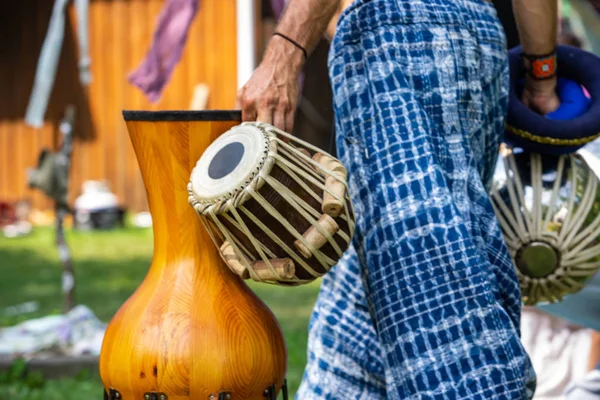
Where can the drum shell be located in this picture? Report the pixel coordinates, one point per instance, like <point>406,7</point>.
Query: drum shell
<point>192,329</point>
<point>290,215</point>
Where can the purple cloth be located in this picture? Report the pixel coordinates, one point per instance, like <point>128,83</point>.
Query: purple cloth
<point>277,7</point>
<point>169,40</point>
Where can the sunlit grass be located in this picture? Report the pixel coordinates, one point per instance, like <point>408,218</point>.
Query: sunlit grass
<point>109,266</point>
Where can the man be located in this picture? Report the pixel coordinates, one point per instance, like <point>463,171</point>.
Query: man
<point>426,303</point>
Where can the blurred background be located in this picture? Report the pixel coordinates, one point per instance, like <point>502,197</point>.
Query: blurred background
<point>76,237</point>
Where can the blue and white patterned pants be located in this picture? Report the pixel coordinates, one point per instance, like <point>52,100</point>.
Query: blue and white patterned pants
<point>426,304</point>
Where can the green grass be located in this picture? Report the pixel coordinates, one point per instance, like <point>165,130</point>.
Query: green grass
<point>109,266</point>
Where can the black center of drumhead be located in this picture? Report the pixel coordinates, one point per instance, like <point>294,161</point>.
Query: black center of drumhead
<point>226,160</point>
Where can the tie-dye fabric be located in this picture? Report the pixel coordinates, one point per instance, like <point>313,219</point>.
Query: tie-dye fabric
<point>426,305</point>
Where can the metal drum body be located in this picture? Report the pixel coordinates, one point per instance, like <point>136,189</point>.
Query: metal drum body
<point>549,211</point>
<point>192,330</point>
<point>547,197</point>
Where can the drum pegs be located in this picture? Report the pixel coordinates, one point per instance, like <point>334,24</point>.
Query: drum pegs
<point>315,238</point>
<point>331,164</point>
<point>284,267</point>
<point>303,151</point>
<point>335,187</point>
<point>232,260</point>
<point>334,190</point>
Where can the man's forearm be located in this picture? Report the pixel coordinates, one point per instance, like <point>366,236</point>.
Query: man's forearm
<point>271,93</point>
<point>305,21</point>
<point>537,22</point>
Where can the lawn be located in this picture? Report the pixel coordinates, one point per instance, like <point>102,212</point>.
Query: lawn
<point>109,266</point>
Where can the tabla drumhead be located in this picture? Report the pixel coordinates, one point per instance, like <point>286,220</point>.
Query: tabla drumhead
<point>229,164</point>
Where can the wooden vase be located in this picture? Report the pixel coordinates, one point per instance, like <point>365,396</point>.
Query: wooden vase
<point>192,329</point>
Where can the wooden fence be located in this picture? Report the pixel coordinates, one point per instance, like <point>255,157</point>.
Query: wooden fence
<point>120,34</point>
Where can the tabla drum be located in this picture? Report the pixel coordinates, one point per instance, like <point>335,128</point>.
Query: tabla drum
<point>277,207</point>
<point>548,207</point>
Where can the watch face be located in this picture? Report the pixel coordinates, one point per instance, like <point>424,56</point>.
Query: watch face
<point>544,67</point>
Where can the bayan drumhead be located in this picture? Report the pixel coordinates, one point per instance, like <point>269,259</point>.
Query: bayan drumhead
<point>229,164</point>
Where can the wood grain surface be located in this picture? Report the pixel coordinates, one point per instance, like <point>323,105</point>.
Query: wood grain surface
<point>192,328</point>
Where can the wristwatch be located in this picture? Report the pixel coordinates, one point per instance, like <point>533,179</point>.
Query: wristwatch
<point>541,67</point>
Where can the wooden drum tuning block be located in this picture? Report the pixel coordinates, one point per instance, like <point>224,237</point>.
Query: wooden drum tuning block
<point>335,189</point>
<point>314,237</point>
<point>232,260</point>
<point>331,164</point>
<point>303,151</point>
<point>284,269</point>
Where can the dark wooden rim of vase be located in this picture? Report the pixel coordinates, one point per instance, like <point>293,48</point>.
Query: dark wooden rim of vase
<point>182,115</point>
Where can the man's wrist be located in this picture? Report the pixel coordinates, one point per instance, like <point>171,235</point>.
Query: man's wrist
<point>541,66</point>
<point>282,51</point>
<point>541,88</point>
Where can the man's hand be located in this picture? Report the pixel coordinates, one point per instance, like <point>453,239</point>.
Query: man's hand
<point>540,96</point>
<point>271,94</point>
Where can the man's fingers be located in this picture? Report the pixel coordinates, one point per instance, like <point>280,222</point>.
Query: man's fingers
<point>265,115</point>
<point>279,119</point>
<point>239,98</point>
<point>289,121</point>
<point>249,114</point>
<point>248,106</point>
<point>266,107</point>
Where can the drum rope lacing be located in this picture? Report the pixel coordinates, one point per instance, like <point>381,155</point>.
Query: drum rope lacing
<point>301,169</point>
<point>522,226</point>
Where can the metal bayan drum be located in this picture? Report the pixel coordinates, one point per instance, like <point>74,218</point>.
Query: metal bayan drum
<point>548,202</point>
<point>278,213</point>
<point>548,207</point>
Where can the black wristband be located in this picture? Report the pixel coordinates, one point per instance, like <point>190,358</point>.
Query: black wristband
<point>292,42</point>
